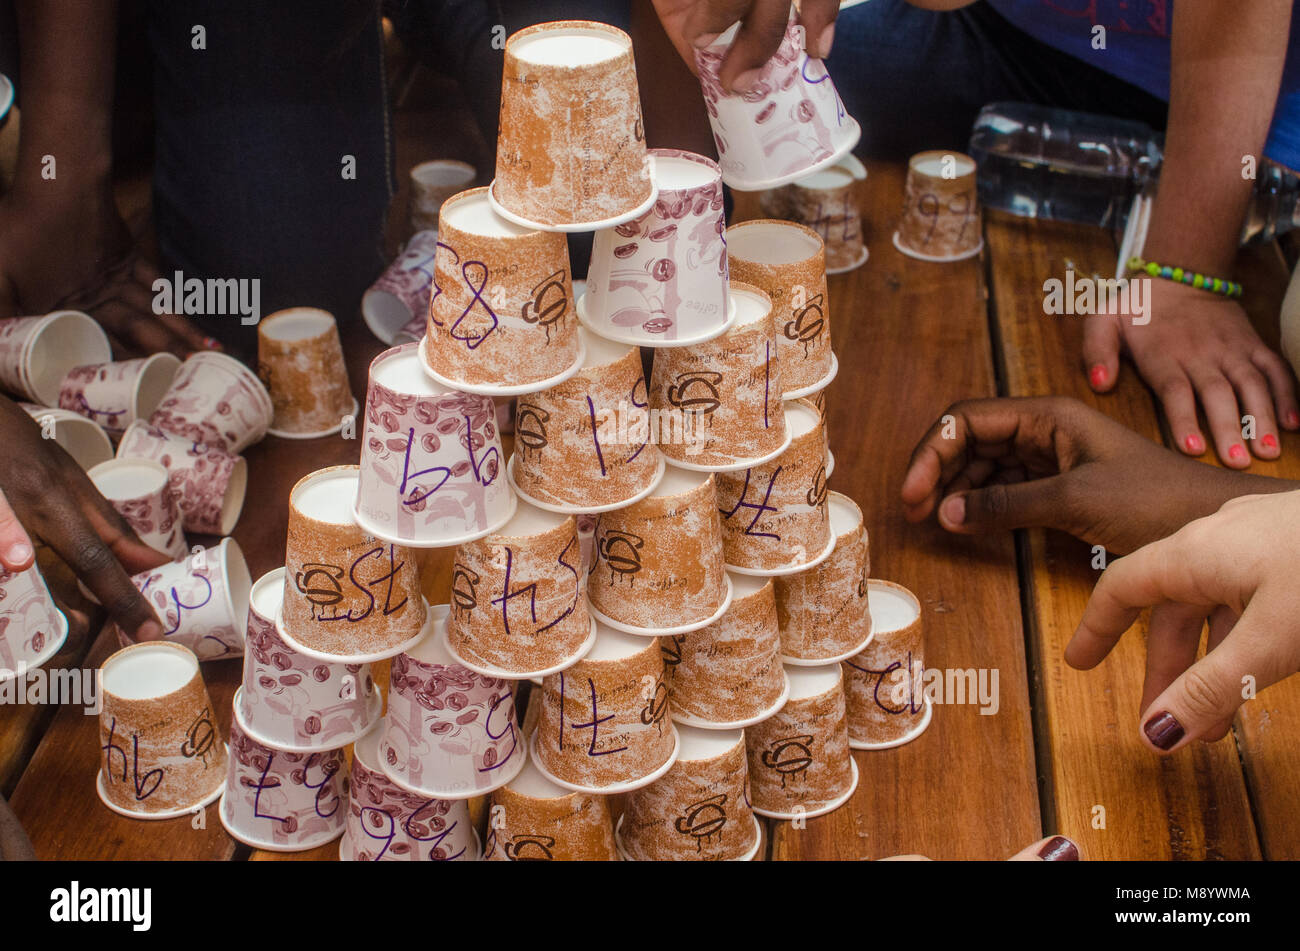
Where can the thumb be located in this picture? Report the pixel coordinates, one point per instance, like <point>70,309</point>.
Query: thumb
<point>1101,352</point>
<point>1003,506</point>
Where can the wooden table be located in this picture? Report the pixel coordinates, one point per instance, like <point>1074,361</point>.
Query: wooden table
<point>1061,753</point>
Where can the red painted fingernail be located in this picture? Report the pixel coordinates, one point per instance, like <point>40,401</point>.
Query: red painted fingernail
<point>1194,444</point>
<point>1293,420</point>
<point>1098,375</point>
<point>1269,441</point>
<point>1059,849</point>
<point>1163,730</point>
<point>1237,453</point>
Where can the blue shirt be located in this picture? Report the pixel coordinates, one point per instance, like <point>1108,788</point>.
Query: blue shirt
<point>1137,51</point>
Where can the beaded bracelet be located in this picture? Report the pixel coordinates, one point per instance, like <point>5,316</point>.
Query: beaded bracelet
<point>1215,285</point>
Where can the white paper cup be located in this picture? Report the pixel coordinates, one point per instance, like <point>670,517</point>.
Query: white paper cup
<point>202,601</point>
<point>398,303</point>
<point>32,629</point>
<point>85,441</point>
<point>300,359</point>
<point>884,684</point>
<point>209,482</point>
<point>115,395</point>
<point>36,353</point>
<point>140,491</point>
<point>217,401</point>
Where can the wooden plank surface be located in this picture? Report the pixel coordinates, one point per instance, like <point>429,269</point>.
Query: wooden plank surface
<point>911,338</point>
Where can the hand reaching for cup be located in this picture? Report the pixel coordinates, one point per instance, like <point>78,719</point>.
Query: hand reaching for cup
<point>1055,848</point>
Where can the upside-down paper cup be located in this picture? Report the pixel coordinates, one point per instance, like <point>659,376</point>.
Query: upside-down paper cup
<point>432,183</point>
<point>941,215</point>
<point>887,706</point>
<point>659,563</point>
<point>661,280</point>
<point>209,483</point>
<point>431,464</point>
<point>824,612</point>
<point>36,353</point>
<point>790,124</point>
<point>787,262</point>
<point>32,629</point>
<point>387,823</point>
<point>585,445</point>
<point>115,395</point>
<point>569,159</point>
<point>697,811</point>
<point>517,605</point>
<point>774,516</point>
<point>161,754</point>
<point>300,359</point>
<point>531,819</point>
<point>729,674</point>
<point>217,401</point>
<point>799,760</point>
<point>604,724</point>
<point>282,801</point>
<point>723,396</point>
<point>348,598</point>
<point>140,491</point>
<point>450,733</point>
<point>827,202</point>
<point>399,299</point>
<point>502,320</point>
<point>289,701</point>
<point>83,439</point>
<point>202,601</point>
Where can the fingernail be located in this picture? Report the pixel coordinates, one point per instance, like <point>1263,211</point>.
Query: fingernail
<point>954,510</point>
<point>1269,441</point>
<point>705,39</point>
<point>746,80</point>
<point>1195,444</point>
<point>1293,420</point>
<point>149,631</point>
<point>1059,849</point>
<point>1237,453</point>
<point>824,41</point>
<point>1164,731</point>
<point>19,553</point>
<point>212,343</point>
<point>1098,375</point>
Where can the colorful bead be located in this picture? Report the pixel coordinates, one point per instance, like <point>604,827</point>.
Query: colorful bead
<point>1198,281</point>
<point>1215,285</point>
<point>1153,269</point>
<point>1178,274</point>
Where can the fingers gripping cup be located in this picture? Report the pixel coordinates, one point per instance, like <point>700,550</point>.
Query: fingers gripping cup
<point>217,401</point>
<point>659,564</point>
<point>723,396</point>
<point>661,280</point>
<point>501,318</point>
<point>799,760</point>
<point>209,483</point>
<point>115,395</point>
<point>32,629</point>
<point>400,298</point>
<point>300,359</point>
<point>202,601</point>
<point>140,491</point>
<point>36,353</point>
<point>531,819</point>
<point>604,723</point>
<point>941,216</point>
<point>824,612</point>
<point>791,123</point>
<point>699,810</point>
<point>161,754</point>
<point>787,262</point>
<point>433,183</point>
<point>827,202</point>
<point>571,152</point>
<point>887,706</point>
<point>431,461</point>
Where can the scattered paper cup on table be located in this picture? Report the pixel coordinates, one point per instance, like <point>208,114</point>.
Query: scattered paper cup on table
<point>774,516</point>
<point>824,612</point>
<point>82,439</point>
<point>697,811</point>
<point>887,706</point>
<point>531,819</point>
<point>827,202</point>
<point>217,401</point>
<point>348,598</point>
<point>517,604</point>
<point>787,262</point>
<point>502,321</point>
<point>659,563</point>
<point>431,461</point>
<point>723,398</point>
<point>799,760</point>
<point>289,701</point>
<point>386,823</point>
<point>432,183</point>
<point>604,724</point>
<point>32,628</point>
<point>36,353</point>
<point>209,482</point>
<point>300,359</point>
<point>202,601</point>
<point>790,124</point>
<point>585,445</point>
<point>161,754</point>
<point>569,160</point>
<point>450,733</point>
<point>661,280</point>
<point>282,801</point>
<point>141,492</point>
<point>941,215</point>
<point>115,395</point>
<point>398,303</point>
<point>729,675</point>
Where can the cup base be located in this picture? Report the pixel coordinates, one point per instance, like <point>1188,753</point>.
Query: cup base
<point>741,185</point>
<point>650,340</point>
<point>372,658</point>
<point>733,466</point>
<point>817,387</point>
<point>285,434</point>
<point>346,856</point>
<point>264,846</point>
<point>614,788</point>
<point>203,803</point>
<point>498,781</point>
<point>578,226</point>
<point>374,714</point>
<point>906,738</point>
<point>564,508</point>
<point>666,631</point>
<point>443,633</point>
<point>747,857</point>
<point>861,260</point>
<point>686,719</point>
<point>820,810</point>
<point>785,569</point>
<point>56,645</point>
<point>500,389</point>
<point>937,258</point>
<point>398,540</point>
<point>826,661</point>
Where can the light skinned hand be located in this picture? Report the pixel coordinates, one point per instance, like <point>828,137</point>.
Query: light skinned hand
<point>1055,848</point>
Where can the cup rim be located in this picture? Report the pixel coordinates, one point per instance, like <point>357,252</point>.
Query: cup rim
<point>779,224</point>
<point>152,646</point>
<point>92,336</point>
<point>109,465</point>
<point>558,26</point>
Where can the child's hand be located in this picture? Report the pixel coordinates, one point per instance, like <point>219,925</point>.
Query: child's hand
<point>1235,568</point>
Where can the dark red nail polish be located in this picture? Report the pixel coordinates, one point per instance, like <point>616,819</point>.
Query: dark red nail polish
<point>1098,375</point>
<point>1269,441</point>
<point>1164,731</point>
<point>1059,849</point>
<point>1194,444</point>
<point>1237,453</point>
